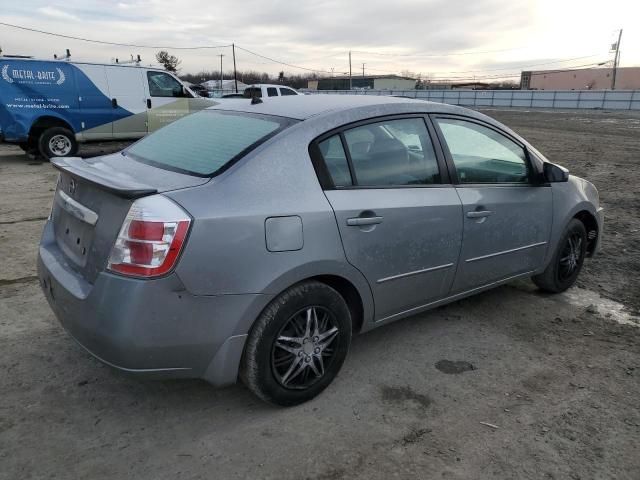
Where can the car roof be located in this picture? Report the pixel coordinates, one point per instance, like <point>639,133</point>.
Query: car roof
<point>302,107</point>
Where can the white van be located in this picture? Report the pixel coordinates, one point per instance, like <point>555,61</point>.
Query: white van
<point>51,106</point>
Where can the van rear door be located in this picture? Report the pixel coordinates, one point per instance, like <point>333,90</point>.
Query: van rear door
<point>127,92</point>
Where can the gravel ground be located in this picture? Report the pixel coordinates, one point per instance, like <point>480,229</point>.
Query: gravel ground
<point>509,384</point>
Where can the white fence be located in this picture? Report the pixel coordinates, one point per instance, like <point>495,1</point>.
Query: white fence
<point>603,99</point>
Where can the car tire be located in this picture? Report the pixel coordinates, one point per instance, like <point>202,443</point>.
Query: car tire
<point>304,332</point>
<point>57,142</point>
<point>564,268</point>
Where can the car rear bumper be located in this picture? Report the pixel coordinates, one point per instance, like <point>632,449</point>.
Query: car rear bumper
<point>148,327</point>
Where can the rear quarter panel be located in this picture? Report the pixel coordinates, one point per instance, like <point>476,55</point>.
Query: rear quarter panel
<point>227,251</point>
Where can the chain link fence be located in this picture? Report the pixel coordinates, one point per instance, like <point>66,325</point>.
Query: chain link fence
<point>587,99</point>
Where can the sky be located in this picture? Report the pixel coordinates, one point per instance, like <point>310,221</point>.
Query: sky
<point>480,39</point>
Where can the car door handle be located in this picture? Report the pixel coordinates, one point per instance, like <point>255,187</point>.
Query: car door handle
<point>148,103</point>
<point>479,214</point>
<point>360,221</point>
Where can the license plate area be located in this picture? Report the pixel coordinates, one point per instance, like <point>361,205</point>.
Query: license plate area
<point>74,237</point>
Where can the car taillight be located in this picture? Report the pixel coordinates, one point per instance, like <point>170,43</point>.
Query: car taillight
<point>150,239</point>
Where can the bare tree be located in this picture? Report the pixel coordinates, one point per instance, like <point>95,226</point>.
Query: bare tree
<point>169,62</point>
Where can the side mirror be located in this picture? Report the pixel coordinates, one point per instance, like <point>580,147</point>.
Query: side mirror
<point>555,173</point>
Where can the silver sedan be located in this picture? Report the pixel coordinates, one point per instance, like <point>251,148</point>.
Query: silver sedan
<point>252,240</point>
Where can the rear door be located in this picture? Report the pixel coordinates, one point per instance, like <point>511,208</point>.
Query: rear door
<point>399,219</point>
<point>127,93</point>
<point>507,213</point>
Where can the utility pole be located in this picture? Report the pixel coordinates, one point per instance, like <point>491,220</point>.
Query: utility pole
<point>221,55</point>
<point>363,70</point>
<point>235,73</point>
<point>350,83</point>
<point>616,60</point>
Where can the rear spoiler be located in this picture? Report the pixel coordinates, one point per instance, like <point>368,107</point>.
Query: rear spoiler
<point>111,181</point>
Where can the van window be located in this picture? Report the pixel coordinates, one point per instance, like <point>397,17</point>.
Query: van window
<point>164,85</point>
<point>287,91</point>
<point>205,142</point>
<point>272,91</point>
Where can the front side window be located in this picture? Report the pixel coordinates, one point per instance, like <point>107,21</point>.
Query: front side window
<point>272,91</point>
<point>482,155</point>
<point>393,152</point>
<point>164,85</point>
<point>205,142</point>
<point>287,91</point>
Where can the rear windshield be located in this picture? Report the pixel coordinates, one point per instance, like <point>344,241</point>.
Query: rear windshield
<point>206,142</point>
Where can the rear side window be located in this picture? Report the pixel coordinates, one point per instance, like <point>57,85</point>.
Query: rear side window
<point>251,92</point>
<point>272,92</point>
<point>287,91</point>
<point>205,142</point>
<point>336,161</point>
<point>394,152</point>
<point>482,155</point>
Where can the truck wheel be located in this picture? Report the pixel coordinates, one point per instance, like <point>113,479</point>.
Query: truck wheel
<point>57,142</point>
<point>298,344</point>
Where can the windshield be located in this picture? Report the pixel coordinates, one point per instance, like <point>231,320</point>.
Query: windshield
<point>206,142</point>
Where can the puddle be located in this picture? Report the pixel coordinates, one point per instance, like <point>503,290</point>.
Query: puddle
<point>451,367</point>
<point>608,308</point>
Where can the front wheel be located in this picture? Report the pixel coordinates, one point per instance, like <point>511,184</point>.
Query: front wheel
<point>297,345</point>
<point>57,142</point>
<point>567,261</point>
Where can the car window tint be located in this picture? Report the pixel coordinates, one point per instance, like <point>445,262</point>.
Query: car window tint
<point>163,85</point>
<point>482,155</point>
<point>287,91</point>
<point>272,92</point>
<point>336,161</point>
<point>204,142</point>
<point>394,152</point>
<point>251,92</point>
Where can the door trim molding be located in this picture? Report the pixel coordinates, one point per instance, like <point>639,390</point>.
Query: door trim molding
<point>415,272</point>
<point>504,252</point>
<point>452,298</point>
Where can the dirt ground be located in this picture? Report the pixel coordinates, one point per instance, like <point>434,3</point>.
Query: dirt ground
<point>510,384</point>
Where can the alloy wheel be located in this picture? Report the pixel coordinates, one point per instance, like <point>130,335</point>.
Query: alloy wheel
<point>571,256</point>
<point>304,347</point>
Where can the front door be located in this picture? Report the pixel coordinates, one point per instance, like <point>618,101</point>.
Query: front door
<point>507,216</point>
<point>400,224</point>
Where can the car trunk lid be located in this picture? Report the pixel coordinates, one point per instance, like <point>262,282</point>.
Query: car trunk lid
<point>92,199</point>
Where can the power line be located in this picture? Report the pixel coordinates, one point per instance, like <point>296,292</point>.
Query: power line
<point>82,39</point>
<point>280,62</point>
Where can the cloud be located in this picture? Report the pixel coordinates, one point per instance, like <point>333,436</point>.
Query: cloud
<point>57,13</point>
<point>319,34</point>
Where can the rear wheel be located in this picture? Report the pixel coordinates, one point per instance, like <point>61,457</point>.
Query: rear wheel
<point>567,261</point>
<point>297,345</point>
<point>57,142</point>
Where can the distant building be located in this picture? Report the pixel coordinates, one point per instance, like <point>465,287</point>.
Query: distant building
<point>373,82</point>
<point>627,78</point>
